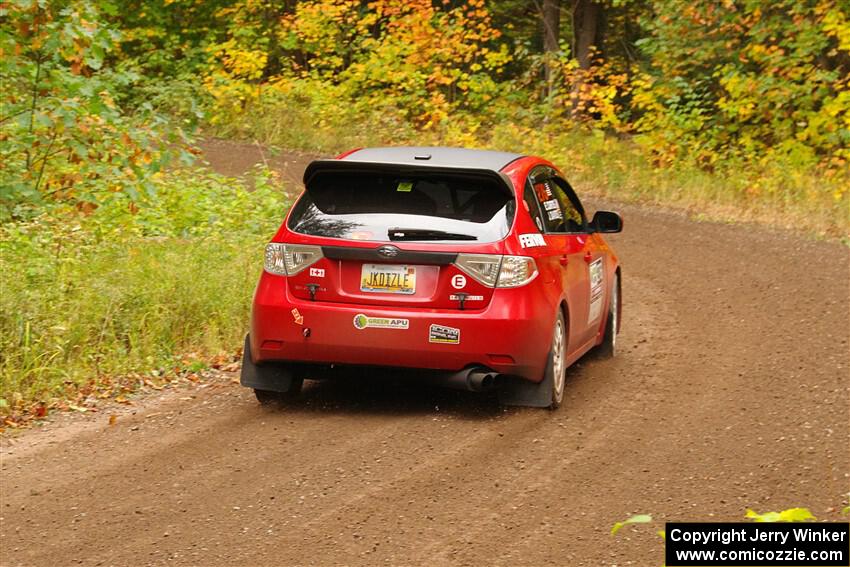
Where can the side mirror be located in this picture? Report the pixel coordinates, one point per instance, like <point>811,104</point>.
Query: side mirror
<point>606,221</point>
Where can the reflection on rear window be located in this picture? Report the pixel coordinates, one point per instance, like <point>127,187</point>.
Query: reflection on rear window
<point>383,207</point>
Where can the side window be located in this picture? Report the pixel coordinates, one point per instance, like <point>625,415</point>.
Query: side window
<point>559,208</point>
<point>550,208</point>
<point>532,207</point>
<point>574,219</point>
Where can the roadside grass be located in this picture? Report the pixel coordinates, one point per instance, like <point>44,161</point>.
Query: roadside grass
<point>772,194</point>
<point>129,290</point>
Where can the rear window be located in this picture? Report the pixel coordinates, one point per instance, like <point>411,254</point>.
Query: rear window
<point>404,207</point>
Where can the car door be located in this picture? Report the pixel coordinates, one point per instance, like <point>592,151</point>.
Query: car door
<point>593,261</point>
<point>564,228</point>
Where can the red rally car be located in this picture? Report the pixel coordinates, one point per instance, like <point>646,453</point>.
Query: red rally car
<point>479,269</point>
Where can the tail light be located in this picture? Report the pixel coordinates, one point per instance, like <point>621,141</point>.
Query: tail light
<point>290,259</point>
<point>482,267</point>
<point>516,271</point>
<point>498,271</point>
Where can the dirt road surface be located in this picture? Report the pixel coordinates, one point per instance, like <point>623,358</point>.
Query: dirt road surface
<point>731,390</point>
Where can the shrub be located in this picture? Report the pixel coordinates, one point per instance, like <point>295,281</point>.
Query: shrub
<point>132,286</point>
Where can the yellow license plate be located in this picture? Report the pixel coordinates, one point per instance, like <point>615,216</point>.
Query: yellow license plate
<point>388,278</point>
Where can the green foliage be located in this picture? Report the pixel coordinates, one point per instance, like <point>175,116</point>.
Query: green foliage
<point>164,46</point>
<point>167,39</point>
<point>701,82</point>
<point>743,108</point>
<point>418,60</point>
<point>133,285</point>
<point>747,81</point>
<point>753,92</point>
<point>63,138</point>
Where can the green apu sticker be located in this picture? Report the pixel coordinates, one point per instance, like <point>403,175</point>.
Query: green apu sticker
<point>405,186</point>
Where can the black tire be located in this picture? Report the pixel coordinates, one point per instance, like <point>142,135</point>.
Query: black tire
<point>549,392</point>
<point>608,347</point>
<point>556,368</point>
<point>267,397</point>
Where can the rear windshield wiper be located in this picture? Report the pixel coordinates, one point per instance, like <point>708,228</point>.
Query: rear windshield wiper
<point>426,234</point>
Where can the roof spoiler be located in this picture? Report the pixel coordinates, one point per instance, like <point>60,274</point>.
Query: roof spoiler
<point>326,165</point>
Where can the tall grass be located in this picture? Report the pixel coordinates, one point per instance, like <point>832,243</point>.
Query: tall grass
<point>775,194</point>
<point>128,289</point>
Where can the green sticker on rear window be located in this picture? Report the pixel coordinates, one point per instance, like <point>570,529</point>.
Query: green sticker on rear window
<point>404,186</point>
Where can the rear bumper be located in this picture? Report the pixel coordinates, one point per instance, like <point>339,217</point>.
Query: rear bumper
<point>510,336</point>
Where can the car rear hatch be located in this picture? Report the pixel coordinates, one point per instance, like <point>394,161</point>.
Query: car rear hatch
<point>402,236</point>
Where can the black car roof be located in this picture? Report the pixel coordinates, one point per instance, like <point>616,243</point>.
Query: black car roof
<point>435,157</point>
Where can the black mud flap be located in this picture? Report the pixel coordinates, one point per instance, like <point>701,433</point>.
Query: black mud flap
<point>271,377</point>
<point>515,391</point>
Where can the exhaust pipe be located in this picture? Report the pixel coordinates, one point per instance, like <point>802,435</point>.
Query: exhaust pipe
<point>481,380</point>
<point>472,379</point>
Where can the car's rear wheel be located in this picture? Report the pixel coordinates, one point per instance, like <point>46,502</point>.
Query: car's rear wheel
<point>549,392</point>
<point>608,347</point>
<point>557,361</point>
<point>267,397</point>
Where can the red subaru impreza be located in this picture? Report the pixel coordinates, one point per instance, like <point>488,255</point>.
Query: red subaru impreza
<point>479,269</point>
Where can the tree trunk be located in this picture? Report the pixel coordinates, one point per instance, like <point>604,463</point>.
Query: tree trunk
<point>587,39</point>
<point>587,16</point>
<point>551,25</point>
<point>551,35</point>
